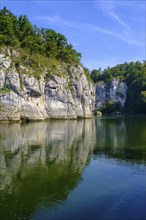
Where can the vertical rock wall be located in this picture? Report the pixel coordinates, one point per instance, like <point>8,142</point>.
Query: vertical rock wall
<point>114,91</point>
<point>68,95</point>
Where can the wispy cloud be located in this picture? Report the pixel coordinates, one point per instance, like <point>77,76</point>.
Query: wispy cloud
<point>109,8</point>
<point>127,39</point>
<point>57,20</point>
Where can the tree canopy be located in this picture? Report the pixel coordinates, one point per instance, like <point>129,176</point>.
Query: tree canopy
<point>19,32</point>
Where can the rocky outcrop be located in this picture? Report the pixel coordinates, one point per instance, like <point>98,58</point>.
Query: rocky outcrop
<point>68,95</point>
<point>114,91</point>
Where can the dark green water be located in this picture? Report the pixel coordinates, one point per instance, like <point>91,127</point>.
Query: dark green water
<point>65,170</point>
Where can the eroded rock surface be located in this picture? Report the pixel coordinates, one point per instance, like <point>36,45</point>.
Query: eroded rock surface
<point>68,96</point>
<point>114,91</point>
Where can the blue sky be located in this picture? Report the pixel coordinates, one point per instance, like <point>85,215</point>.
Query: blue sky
<point>105,32</point>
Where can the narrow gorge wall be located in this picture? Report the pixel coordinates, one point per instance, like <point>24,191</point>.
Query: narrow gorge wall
<point>68,95</point>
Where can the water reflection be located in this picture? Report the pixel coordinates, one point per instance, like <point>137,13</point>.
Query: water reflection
<point>43,162</point>
<point>121,138</point>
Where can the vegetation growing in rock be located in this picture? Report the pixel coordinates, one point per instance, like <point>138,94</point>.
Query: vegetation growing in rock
<point>111,107</point>
<point>87,73</point>
<point>4,90</point>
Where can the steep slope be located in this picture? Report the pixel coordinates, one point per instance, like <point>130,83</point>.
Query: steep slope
<point>65,95</point>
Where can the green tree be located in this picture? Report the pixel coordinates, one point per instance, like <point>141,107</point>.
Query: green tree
<point>19,32</point>
<point>8,27</point>
<point>96,75</point>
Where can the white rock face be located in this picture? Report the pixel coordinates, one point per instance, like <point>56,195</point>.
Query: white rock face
<point>2,78</point>
<point>118,91</point>
<point>5,61</point>
<point>69,96</point>
<point>115,91</point>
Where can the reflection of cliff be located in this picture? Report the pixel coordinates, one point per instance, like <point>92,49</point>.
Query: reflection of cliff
<point>41,160</point>
<point>111,133</point>
<point>121,137</point>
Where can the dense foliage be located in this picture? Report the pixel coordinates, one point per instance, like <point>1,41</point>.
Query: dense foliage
<point>18,32</point>
<point>134,74</point>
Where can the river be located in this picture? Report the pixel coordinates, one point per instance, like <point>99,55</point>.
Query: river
<point>93,169</point>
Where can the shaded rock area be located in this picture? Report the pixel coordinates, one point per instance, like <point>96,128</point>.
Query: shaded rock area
<point>114,91</point>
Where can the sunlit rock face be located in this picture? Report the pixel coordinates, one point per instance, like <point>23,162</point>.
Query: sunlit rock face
<point>69,95</point>
<point>114,91</point>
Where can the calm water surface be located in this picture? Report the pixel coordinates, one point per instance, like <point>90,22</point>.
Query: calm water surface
<point>66,170</point>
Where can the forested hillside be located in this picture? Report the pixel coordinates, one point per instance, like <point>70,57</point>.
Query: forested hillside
<point>134,75</point>
<point>19,32</point>
<point>35,47</point>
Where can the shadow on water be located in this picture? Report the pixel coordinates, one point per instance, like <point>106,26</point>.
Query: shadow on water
<point>42,163</point>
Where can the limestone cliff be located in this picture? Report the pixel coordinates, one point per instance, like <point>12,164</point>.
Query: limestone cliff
<point>67,95</point>
<point>114,91</point>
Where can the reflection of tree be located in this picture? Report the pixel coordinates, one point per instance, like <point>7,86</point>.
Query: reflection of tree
<point>48,186</point>
<point>41,163</point>
<point>121,137</point>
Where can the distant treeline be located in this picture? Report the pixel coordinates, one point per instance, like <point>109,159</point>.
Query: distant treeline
<point>134,75</point>
<point>18,32</point>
